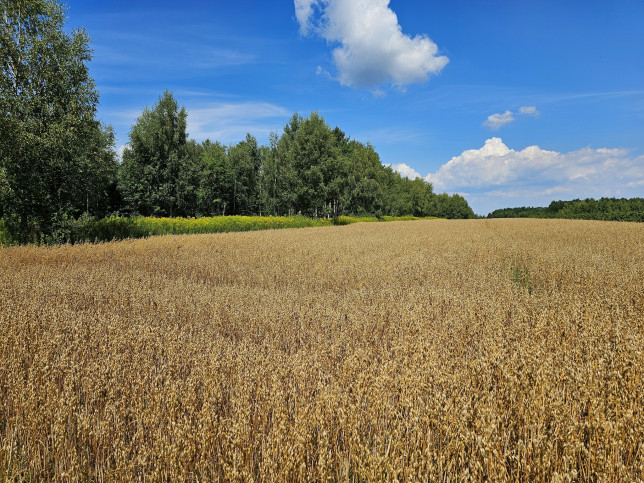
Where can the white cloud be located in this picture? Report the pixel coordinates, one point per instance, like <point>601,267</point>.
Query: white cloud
<point>497,121</point>
<point>372,47</point>
<point>529,111</point>
<point>497,165</point>
<point>303,13</point>
<point>229,122</point>
<point>496,176</point>
<point>406,171</point>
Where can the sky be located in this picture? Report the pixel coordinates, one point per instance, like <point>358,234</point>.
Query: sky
<point>508,103</point>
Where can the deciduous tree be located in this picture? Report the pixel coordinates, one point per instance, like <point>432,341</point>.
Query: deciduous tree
<point>56,160</point>
<point>159,176</point>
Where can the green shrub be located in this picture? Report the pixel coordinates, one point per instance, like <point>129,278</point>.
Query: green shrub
<point>88,229</point>
<point>3,234</point>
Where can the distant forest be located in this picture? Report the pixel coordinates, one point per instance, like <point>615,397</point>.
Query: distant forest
<point>616,209</point>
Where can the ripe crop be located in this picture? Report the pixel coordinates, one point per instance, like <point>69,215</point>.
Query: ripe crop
<point>429,350</point>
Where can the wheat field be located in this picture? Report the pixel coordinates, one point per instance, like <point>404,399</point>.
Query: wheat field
<point>501,350</point>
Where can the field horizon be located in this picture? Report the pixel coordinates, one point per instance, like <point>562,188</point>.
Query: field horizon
<point>501,349</point>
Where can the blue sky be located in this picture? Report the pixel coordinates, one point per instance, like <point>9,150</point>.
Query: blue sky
<point>509,103</point>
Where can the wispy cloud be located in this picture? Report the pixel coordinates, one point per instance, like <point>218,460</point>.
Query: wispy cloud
<point>477,98</point>
<point>372,48</point>
<point>321,71</point>
<point>149,51</point>
<point>230,122</point>
<point>589,96</point>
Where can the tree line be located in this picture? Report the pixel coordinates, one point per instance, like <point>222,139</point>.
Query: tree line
<point>57,161</point>
<point>615,209</point>
<point>310,169</point>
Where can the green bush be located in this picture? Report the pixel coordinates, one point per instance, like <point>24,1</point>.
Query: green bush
<point>3,234</point>
<point>88,229</point>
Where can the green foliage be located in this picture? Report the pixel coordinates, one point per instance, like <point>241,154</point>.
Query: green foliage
<point>213,196</point>
<point>55,158</point>
<point>407,218</point>
<point>400,218</point>
<point>4,240</point>
<point>4,188</point>
<point>348,220</point>
<point>88,229</point>
<point>614,209</point>
<point>520,212</point>
<point>158,176</point>
<point>312,153</point>
<point>245,164</point>
<point>311,170</point>
<point>317,171</point>
<point>521,277</point>
<point>451,207</point>
<point>222,224</point>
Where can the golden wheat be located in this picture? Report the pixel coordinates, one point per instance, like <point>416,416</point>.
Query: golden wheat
<point>430,350</point>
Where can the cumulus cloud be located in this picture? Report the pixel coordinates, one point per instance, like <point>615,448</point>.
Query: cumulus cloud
<point>497,121</point>
<point>495,176</point>
<point>372,49</point>
<point>406,171</point>
<point>497,165</point>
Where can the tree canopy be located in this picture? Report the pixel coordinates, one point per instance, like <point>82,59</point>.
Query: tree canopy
<point>310,169</point>
<point>56,159</point>
<point>156,177</point>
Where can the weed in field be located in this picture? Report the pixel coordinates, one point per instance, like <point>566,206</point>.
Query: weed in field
<point>520,277</point>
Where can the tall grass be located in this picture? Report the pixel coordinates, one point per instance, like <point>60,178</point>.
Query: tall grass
<point>369,352</point>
